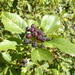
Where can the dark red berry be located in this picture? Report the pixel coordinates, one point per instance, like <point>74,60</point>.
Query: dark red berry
<point>39,37</point>
<point>28,35</point>
<point>36,30</point>
<point>28,28</point>
<point>33,26</point>
<point>26,41</point>
<point>32,29</point>
<point>39,32</point>
<point>35,34</point>
<point>43,39</point>
<point>34,44</point>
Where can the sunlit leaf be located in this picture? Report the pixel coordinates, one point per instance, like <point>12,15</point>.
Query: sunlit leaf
<point>5,70</point>
<point>50,24</point>
<point>64,45</point>
<point>6,44</point>
<point>13,23</point>
<point>48,44</point>
<point>38,71</point>
<point>41,54</point>
<point>6,56</point>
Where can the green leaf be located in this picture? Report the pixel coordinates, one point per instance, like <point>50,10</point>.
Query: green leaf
<point>64,45</point>
<point>6,44</point>
<point>44,66</point>
<point>55,71</point>
<point>50,24</point>
<point>22,73</point>
<point>13,22</point>
<point>6,56</point>
<point>1,73</point>
<point>38,71</point>
<point>19,41</point>
<point>40,54</point>
<point>42,1</point>
<point>5,70</point>
<point>48,44</point>
<point>29,7</point>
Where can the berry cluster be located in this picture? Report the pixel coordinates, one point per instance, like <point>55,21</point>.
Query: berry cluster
<point>34,32</point>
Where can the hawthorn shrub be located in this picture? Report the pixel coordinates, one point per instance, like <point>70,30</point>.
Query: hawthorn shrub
<point>38,40</point>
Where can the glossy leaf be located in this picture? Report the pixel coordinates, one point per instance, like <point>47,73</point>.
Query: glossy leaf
<point>6,44</point>
<point>13,22</point>
<point>50,24</point>
<point>64,45</point>
<point>41,54</point>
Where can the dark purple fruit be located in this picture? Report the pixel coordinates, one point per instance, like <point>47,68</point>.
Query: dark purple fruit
<point>33,26</point>
<point>26,41</point>
<point>39,37</point>
<point>39,32</point>
<point>43,39</point>
<point>28,28</point>
<point>34,44</point>
<point>28,35</point>
<point>35,34</point>
<point>32,29</point>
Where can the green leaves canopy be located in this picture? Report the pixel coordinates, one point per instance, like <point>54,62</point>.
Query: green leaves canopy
<point>50,24</point>
<point>13,22</point>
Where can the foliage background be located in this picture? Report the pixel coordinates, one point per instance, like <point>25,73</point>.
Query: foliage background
<point>34,10</point>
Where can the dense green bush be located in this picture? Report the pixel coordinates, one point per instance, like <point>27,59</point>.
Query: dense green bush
<point>55,19</point>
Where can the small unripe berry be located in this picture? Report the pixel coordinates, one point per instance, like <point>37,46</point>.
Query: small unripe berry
<point>26,41</point>
<point>28,35</point>
<point>28,28</point>
<point>33,26</point>
<point>35,34</point>
<point>34,44</point>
